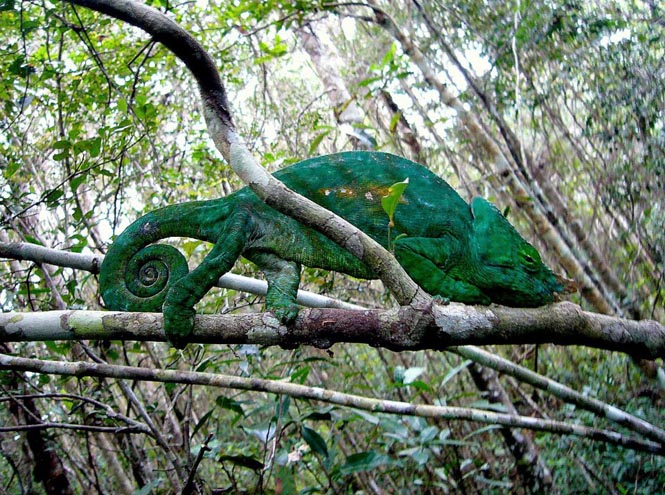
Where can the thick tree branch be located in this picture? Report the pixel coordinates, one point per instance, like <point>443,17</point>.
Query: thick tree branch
<point>399,329</point>
<point>80,369</point>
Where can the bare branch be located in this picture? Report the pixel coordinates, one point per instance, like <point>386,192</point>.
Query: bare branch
<point>80,369</point>
<point>567,394</point>
<point>108,410</point>
<point>91,263</point>
<point>71,426</point>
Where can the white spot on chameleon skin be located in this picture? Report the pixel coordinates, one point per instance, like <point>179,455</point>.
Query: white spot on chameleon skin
<point>147,228</point>
<point>368,196</point>
<point>327,192</point>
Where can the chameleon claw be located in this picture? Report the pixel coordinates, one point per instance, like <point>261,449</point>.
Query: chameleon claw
<point>286,314</point>
<point>441,300</point>
<point>178,325</point>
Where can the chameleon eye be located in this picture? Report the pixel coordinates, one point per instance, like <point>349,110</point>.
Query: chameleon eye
<point>530,258</point>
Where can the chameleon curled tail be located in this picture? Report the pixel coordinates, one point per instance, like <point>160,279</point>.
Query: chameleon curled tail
<point>136,274</point>
<point>148,275</point>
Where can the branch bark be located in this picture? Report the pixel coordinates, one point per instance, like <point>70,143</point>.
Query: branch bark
<point>399,329</point>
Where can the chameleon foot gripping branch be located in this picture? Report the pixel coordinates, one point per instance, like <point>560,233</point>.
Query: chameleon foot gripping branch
<point>461,252</point>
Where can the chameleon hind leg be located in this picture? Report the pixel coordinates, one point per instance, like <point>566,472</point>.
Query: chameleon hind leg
<point>283,280</point>
<point>178,308</point>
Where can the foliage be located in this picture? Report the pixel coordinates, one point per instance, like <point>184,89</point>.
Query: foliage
<point>99,124</point>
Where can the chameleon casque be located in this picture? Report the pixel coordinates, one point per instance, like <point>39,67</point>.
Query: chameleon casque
<point>461,252</point>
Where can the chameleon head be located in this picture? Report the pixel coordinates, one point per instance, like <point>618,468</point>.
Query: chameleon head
<point>508,269</point>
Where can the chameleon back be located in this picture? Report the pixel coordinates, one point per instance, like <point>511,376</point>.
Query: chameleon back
<point>352,184</point>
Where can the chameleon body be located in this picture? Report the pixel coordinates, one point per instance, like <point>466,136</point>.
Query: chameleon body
<point>457,251</point>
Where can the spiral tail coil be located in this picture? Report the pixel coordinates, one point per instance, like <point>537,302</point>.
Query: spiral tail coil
<point>141,283</point>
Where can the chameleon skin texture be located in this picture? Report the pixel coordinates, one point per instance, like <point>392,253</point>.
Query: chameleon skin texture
<point>456,251</point>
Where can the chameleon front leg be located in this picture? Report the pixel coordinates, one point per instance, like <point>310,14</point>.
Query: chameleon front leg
<point>423,259</point>
<point>178,308</point>
<point>283,279</point>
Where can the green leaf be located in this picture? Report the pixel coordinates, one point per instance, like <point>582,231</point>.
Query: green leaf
<point>12,168</point>
<point>389,201</point>
<point>301,374</point>
<point>370,80</point>
<point>53,196</point>
<point>322,414</point>
<point>394,121</point>
<point>363,461</point>
<point>190,246</point>
<point>282,406</point>
<point>204,419</point>
<point>417,454</point>
<point>454,371</point>
<point>315,441</point>
<point>390,55</point>
<point>398,374</point>
<point>230,404</point>
<point>369,417</point>
<point>428,434</point>
<point>77,181</point>
<point>58,157</point>
<point>59,348</point>
<point>7,5</point>
<point>33,240</point>
<point>28,25</point>
<point>62,144</point>
<point>317,141</point>
<point>421,385</point>
<point>288,486</point>
<point>92,146</point>
<point>20,67</point>
<point>264,432</point>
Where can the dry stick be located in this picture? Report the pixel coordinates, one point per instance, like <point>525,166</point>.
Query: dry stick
<point>73,426</point>
<point>455,324</point>
<point>189,485</point>
<point>563,392</point>
<point>108,410</point>
<point>81,369</point>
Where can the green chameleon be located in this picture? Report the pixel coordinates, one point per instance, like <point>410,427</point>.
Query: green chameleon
<point>455,251</point>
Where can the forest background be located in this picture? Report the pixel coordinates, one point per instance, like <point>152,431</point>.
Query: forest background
<point>554,111</point>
